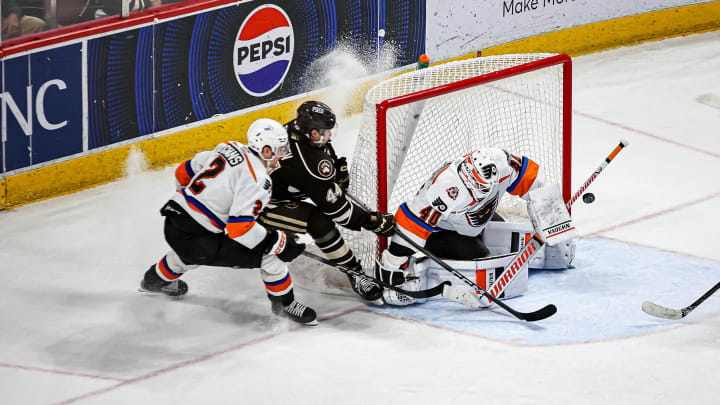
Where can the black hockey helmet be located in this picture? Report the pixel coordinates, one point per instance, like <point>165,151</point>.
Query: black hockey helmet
<point>314,115</point>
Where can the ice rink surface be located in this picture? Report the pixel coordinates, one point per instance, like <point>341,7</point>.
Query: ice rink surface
<point>73,328</point>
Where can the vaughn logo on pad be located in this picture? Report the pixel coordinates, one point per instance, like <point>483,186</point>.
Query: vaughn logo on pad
<point>263,50</point>
<point>558,229</point>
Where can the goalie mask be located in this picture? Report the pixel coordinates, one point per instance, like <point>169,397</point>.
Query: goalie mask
<point>314,115</point>
<point>478,172</point>
<point>268,139</point>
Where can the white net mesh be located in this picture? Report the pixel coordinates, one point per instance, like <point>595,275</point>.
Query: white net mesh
<point>522,114</point>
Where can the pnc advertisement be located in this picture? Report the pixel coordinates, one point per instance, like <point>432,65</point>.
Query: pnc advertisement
<point>41,107</point>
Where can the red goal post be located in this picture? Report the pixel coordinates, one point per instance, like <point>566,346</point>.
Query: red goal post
<point>416,121</point>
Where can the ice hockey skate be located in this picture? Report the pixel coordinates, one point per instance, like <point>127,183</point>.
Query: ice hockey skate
<point>365,287</point>
<point>296,312</point>
<point>151,283</point>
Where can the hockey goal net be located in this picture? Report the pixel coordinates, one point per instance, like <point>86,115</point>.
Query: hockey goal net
<point>415,122</point>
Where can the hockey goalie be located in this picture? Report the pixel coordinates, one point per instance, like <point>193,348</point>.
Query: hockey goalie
<point>453,216</point>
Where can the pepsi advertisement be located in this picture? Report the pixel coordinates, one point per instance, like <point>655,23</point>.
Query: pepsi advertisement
<point>192,68</point>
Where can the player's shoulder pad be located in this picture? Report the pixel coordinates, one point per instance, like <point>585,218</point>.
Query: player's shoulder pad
<point>316,162</point>
<point>507,164</point>
<point>447,193</point>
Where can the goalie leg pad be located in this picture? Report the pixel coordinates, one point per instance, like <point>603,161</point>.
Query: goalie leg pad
<point>506,237</point>
<point>415,280</point>
<point>483,272</point>
<point>556,257</point>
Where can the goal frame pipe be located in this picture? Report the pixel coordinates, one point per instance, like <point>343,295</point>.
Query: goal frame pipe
<point>383,107</point>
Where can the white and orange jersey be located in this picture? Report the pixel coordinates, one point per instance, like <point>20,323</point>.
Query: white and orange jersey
<point>224,190</point>
<point>445,203</point>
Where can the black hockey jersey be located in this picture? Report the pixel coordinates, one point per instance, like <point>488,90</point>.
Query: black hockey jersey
<point>309,172</point>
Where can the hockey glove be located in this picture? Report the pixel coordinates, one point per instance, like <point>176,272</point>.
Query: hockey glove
<point>342,176</point>
<point>383,225</point>
<point>283,245</point>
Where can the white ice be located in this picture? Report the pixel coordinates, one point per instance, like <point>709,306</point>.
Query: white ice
<point>73,328</point>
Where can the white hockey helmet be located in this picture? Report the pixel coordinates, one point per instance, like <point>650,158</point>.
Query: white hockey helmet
<point>479,173</point>
<point>268,136</point>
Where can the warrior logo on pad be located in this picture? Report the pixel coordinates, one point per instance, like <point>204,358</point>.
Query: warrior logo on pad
<point>263,50</point>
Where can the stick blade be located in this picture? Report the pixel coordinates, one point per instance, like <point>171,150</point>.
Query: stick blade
<point>542,313</point>
<point>661,311</point>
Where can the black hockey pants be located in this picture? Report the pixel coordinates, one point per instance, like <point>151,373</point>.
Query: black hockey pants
<point>196,245</point>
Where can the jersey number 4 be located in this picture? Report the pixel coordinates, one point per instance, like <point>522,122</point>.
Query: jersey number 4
<point>216,167</point>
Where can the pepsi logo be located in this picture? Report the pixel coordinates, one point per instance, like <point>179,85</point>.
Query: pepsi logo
<point>263,50</point>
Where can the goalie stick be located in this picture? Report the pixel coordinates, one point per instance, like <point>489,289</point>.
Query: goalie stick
<point>430,292</point>
<point>669,313</point>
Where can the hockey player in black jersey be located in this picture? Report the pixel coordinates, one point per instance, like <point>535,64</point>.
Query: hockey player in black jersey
<point>312,171</point>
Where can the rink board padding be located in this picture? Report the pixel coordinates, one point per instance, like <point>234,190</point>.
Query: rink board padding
<point>618,32</point>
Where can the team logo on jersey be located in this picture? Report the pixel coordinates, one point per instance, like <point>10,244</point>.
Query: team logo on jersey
<point>439,204</point>
<point>453,192</point>
<point>482,216</point>
<point>325,168</point>
<point>263,50</point>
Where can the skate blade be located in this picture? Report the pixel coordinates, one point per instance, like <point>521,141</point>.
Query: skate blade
<point>148,292</point>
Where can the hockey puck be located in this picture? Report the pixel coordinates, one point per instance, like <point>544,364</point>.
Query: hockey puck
<point>588,198</point>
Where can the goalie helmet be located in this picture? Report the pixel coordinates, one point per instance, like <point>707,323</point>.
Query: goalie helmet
<point>318,116</point>
<point>479,173</point>
<point>266,133</point>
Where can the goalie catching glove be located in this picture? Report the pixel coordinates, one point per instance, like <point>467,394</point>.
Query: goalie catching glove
<point>283,245</point>
<point>383,225</point>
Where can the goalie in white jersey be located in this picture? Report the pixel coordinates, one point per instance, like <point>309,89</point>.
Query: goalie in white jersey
<point>211,220</point>
<point>451,211</point>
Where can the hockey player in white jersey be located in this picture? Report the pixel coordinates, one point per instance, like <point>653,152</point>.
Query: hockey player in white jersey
<point>451,211</point>
<point>211,220</point>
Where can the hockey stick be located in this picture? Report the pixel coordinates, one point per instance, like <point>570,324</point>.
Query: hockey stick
<point>669,313</point>
<point>533,246</point>
<point>623,143</point>
<point>430,292</point>
<point>541,313</point>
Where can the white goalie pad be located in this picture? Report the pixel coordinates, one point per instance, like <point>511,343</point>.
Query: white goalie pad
<point>549,215</point>
<point>505,237</point>
<point>482,272</point>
